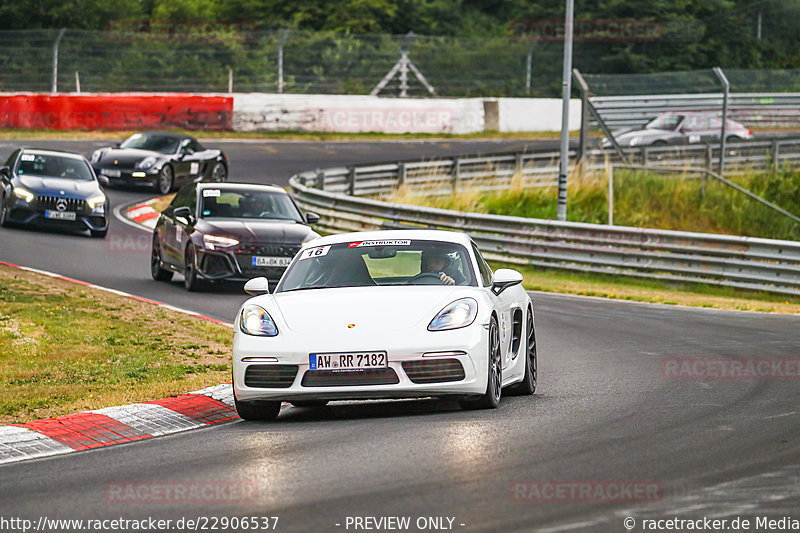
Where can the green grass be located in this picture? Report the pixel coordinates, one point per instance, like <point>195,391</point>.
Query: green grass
<point>649,201</point>
<point>67,348</point>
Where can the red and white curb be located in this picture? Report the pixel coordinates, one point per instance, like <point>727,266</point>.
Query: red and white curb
<point>116,425</point>
<point>143,214</point>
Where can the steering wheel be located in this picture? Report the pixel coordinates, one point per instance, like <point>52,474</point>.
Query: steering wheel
<point>426,278</point>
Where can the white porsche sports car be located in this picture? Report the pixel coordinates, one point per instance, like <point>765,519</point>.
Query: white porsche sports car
<point>384,314</point>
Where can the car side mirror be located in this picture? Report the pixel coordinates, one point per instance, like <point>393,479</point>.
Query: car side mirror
<point>257,287</point>
<point>312,218</point>
<point>103,180</point>
<point>183,212</point>
<point>117,145</point>
<point>5,174</point>
<point>504,278</point>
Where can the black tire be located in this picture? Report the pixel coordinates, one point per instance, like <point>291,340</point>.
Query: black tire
<point>99,234</point>
<point>3,213</point>
<point>491,398</point>
<point>659,143</point>
<point>257,411</point>
<point>309,403</point>
<point>158,273</point>
<point>165,180</point>
<point>219,173</point>
<point>528,384</point>
<point>190,279</point>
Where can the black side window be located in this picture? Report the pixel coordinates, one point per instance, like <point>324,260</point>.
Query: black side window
<point>12,158</point>
<point>483,267</point>
<point>186,197</point>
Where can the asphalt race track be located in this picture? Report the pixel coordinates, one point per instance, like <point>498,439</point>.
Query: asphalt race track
<point>609,415</point>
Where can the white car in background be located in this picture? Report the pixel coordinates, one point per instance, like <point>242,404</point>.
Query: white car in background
<point>384,314</point>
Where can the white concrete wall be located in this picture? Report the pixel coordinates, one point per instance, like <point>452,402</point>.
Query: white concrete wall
<point>346,113</point>
<point>535,114</point>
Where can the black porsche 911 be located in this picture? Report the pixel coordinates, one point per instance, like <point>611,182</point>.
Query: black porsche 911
<point>228,231</point>
<point>161,160</point>
<point>52,188</point>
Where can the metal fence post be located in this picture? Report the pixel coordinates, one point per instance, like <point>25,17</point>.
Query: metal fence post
<point>401,174</point>
<point>644,150</point>
<point>610,195</point>
<point>584,88</point>
<point>726,88</point>
<point>55,60</point>
<point>230,81</point>
<point>776,154</point>
<point>709,156</point>
<point>454,176</point>
<point>281,42</point>
<point>320,180</point>
<point>351,182</point>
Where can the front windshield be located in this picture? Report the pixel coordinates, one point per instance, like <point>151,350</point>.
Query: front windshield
<point>219,203</point>
<point>665,122</point>
<point>385,262</point>
<point>53,166</point>
<point>154,143</point>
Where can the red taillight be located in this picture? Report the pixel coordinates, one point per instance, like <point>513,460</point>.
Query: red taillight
<point>749,132</point>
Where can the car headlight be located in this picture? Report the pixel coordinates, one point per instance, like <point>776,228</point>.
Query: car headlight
<point>213,241</point>
<point>254,320</point>
<point>635,140</point>
<point>96,155</point>
<point>96,201</point>
<point>23,194</point>
<point>147,162</point>
<point>458,314</point>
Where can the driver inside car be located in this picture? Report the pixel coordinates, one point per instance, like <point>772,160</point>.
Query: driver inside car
<point>255,206</point>
<point>439,263</point>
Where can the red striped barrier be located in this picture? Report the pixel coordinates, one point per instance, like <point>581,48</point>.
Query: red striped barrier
<point>128,111</point>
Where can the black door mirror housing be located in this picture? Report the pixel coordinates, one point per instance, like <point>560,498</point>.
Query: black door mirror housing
<point>312,218</point>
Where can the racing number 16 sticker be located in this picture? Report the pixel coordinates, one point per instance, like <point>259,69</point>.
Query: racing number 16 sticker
<point>317,251</point>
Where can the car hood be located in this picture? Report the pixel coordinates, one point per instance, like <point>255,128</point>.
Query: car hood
<point>257,231</point>
<point>124,157</point>
<point>645,136</point>
<point>367,309</point>
<point>54,186</point>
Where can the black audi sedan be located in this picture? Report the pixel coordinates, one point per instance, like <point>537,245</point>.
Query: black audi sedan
<point>161,160</point>
<point>52,188</point>
<point>213,232</point>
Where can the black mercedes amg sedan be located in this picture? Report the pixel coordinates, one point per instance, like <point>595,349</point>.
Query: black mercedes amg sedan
<point>213,232</point>
<point>161,160</point>
<point>52,188</point>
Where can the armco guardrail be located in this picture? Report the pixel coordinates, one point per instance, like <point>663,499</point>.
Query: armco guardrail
<point>754,109</point>
<point>743,262</point>
<point>496,172</point>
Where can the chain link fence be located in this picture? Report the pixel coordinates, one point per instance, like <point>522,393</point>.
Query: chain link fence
<point>299,62</point>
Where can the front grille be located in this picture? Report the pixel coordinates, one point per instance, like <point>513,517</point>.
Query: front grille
<point>270,376</point>
<point>51,203</point>
<point>215,265</point>
<point>434,370</point>
<point>269,250</point>
<point>343,378</point>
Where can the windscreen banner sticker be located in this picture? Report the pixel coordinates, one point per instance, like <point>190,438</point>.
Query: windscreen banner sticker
<point>210,192</point>
<point>317,251</point>
<point>361,244</point>
<point>28,157</point>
